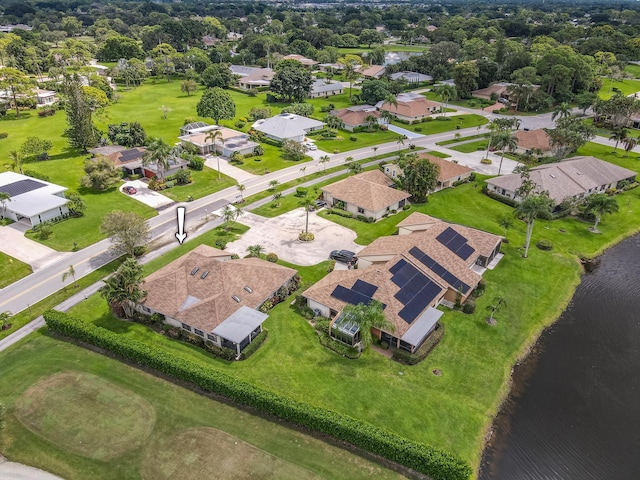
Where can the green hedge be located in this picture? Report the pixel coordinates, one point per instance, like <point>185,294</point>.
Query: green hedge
<point>434,462</point>
<point>338,211</point>
<point>338,347</point>
<point>254,345</point>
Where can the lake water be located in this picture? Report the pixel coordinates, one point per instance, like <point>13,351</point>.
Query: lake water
<point>574,411</point>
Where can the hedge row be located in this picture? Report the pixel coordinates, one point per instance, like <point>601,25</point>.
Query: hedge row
<point>436,463</point>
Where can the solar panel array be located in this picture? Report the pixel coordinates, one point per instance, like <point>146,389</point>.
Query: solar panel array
<point>364,288</point>
<point>350,296</point>
<point>456,243</point>
<point>439,270</point>
<point>416,292</point>
<point>129,155</point>
<point>21,186</point>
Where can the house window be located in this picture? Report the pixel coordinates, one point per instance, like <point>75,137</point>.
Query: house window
<point>198,332</point>
<point>393,174</point>
<point>212,337</point>
<point>360,210</point>
<point>186,327</point>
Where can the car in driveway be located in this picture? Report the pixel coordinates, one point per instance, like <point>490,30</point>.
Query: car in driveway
<point>344,256</point>
<point>129,189</point>
<point>311,146</point>
<point>320,204</point>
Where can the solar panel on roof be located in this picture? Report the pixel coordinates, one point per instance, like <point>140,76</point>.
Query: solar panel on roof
<point>419,302</point>
<point>442,272</point>
<point>416,252</point>
<point>21,186</point>
<point>129,155</point>
<point>404,275</point>
<point>406,294</point>
<point>401,263</point>
<point>439,270</point>
<point>446,236</point>
<point>364,288</point>
<point>465,251</point>
<point>456,242</point>
<point>350,296</point>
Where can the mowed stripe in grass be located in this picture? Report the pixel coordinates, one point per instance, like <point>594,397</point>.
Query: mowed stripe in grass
<point>209,433</point>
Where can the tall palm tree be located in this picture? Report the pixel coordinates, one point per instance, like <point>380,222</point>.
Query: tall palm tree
<point>371,121</point>
<point>212,136</point>
<point>495,305</point>
<point>123,287</point>
<point>158,152</point>
<point>618,134</point>
<point>600,204</point>
<point>241,188</point>
<point>399,142</point>
<point>16,160</point>
<point>446,92</point>
<point>70,273</point>
<point>307,203</point>
<point>276,199</point>
<point>629,144</point>
<point>324,160</point>
<point>563,110</point>
<point>505,141</point>
<point>4,198</point>
<point>304,172</point>
<point>532,207</point>
<point>368,317</point>
<point>387,116</point>
<point>391,99</point>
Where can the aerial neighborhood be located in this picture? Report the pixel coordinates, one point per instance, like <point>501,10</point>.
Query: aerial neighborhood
<point>349,219</point>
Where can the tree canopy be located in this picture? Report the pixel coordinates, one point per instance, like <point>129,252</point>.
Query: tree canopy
<point>291,81</point>
<point>217,104</point>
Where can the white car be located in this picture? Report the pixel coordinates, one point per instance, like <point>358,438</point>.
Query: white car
<point>311,146</point>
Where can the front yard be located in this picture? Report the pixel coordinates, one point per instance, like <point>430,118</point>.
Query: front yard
<point>12,270</point>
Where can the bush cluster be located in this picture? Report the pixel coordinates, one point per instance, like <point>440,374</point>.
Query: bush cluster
<point>254,345</point>
<point>342,213</point>
<point>544,244</point>
<point>336,346</point>
<point>429,344</point>
<point>436,463</point>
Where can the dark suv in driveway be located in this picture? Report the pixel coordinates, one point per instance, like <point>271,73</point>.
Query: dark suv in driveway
<point>344,256</point>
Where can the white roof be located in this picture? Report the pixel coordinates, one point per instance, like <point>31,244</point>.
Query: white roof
<point>33,201</point>
<point>240,324</point>
<point>321,86</point>
<point>287,125</point>
<point>422,326</point>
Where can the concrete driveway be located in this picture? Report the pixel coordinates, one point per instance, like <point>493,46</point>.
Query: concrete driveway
<point>280,236</point>
<point>226,168</point>
<point>145,195</point>
<point>14,243</point>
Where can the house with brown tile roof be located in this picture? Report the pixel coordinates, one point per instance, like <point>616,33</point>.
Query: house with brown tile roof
<point>429,262</point>
<point>258,77</point>
<point>231,141</point>
<point>307,62</point>
<point>130,160</point>
<point>536,140</point>
<point>206,293</point>
<point>574,178</point>
<point>411,107</point>
<point>499,89</point>
<point>368,194</point>
<point>355,116</point>
<point>448,172</point>
<point>373,71</point>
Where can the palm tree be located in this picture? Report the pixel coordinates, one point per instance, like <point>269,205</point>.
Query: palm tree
<point>506,222</point>
<point>495,305</point>
<point>399,142</point>
<point>324,160</point>
<point>371,121</point>
<point>619,134</point>
<point>446,92</point>
<point>563,110</point>
<point>629,144</point>
<point>4,198</point>
<point>70,273</point>
<point>391,99</point>
<point>307,203</point>
<point>4,319</point>
<point>241,188</point>
<point>213,135</point>
<point>158,152</point>
<point>355,167</point>
<point>255,250</point>
<point>387,116</point>
<point>123,287</point>
<point>532,207</point>
<point>304,172</point>
<point>368,317</point>
<point>505,141</point>
<point>273,184</point>
<point>600,204</point>
<point>16,160</point>
<point>276,199</point>
<point>348,159</point>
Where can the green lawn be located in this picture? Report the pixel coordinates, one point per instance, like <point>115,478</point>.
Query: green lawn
<point>604,152</point>
<point>470,146</point>
<point>453,411</point>
<point>627,87</point>
<point>204,183</point>
<point>633,69</point>
<point>12,270</point>
<point>461,139</point>
<point>343,142</point>
<point>451,123</point>
<point>79,414</point>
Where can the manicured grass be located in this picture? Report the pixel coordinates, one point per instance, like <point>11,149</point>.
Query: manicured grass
<point>204,183</point>
<point>12,270</point>
<point>269,162</point>
<point>627,87</point>
<point>461,139</point>
<point>106,404</point>
<point>604,152</point>
<point>339,101</point>
<point>633,69</point>
<point>436,153</point>
<point>470,146</point>
<point>453,411</point>
<point>452,123</point>
<point>365,139</point>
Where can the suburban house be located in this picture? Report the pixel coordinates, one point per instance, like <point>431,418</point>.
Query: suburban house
<point>208,41</point>
<point>429,262</point>
<point>11,27</point>
<point>368,194</point>
<point>500,89</point>
<point>287,126</point>
<point>307,62</point>
<point>356,116</point>
<point>252,77</point>
<point>45,97</point>
<point>325,88</point>
<point>534,140</point>
<point>411,77</point>
<point>130,160</point>
<point>206,293</point>
<point>411,107</point>
<point>330,67</point>
<point>574,178</point>
<point>373,71</point>
<point>227,144</point>
<point>32,201</point>
<point>448,172</point>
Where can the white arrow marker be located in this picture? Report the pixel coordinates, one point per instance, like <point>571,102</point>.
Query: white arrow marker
<point>180,235</point>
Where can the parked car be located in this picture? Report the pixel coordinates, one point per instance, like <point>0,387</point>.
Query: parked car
<point>344,256</point>
<point>320,204</point>
<point>311,146</point>
<point>129,189</point>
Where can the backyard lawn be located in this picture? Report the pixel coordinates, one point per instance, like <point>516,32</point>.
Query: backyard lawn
<point>627,87</point>
<point>79,414</point>
<point>604,152</point>
<point>204,183</point>
<point>12,270</point>
<point>445,124</point>
<point>470,146</point>
<point>633,69</point>
<point>343,142</point>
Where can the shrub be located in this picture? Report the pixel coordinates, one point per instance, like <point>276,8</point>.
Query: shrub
<point>353,138</point>
<point>239,124</point>
<point>196,163</point>
<point>421,353</point>
<point>486,161</point>
<point>342,213</point>
<point>38,175</point>
<point>306,236</point>
<point>417,129</point>
<point>220,243</point>
<point>469,306</point>
<point>272,257</point>
<point>301,192</point>
<point>44,230</point>
<point>3,135</point>
<point>169,184</point>
<point>222,352</point>
<point>254,345</point>
<point>338,347</point>
<point>406,206</point>
<point>182,177</point>
<point>544,244</point>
